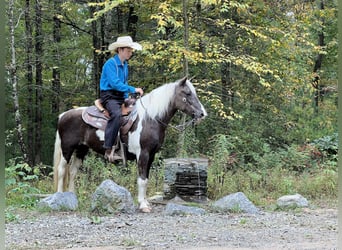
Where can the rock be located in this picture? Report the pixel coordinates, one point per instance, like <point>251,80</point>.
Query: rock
<point>177,209</point>
<point>156,198</point>
<point>60,201</point>
<point>295,200</point>
<point>236,202</point>
<point>110,197</point>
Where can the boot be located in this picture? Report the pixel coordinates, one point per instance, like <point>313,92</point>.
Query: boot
<point>111,156</point>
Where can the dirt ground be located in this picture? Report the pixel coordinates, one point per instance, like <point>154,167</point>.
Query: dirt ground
<point>309,228</point>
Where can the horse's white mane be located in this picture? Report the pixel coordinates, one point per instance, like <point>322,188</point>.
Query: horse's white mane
<point>157,101</point>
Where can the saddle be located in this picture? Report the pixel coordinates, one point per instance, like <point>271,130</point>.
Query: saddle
<point>95,115</point>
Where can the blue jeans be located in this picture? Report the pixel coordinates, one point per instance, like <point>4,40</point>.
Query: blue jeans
<point>112,103</point>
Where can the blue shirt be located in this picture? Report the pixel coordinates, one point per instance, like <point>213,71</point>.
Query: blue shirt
<point>115,75</point>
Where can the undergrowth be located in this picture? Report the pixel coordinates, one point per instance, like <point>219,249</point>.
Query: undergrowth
<point>307,170</point>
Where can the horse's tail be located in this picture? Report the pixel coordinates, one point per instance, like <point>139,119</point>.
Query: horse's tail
<point>57,156</point>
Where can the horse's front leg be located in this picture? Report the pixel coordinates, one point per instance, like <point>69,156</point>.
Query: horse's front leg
<point>144,164</point>
<point>144,205</point>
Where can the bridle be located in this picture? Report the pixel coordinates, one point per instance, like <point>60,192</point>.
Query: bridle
<point>178,128</point>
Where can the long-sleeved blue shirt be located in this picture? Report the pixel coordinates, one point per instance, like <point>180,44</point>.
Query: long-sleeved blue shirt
<point>115,75</point>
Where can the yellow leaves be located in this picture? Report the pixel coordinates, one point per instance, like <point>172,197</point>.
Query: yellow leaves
<point>214,100</point>
<point>264,83</point>
<point>106,6</point>
<point>166,17</point>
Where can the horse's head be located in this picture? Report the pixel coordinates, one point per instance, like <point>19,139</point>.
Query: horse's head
<point>186,100</point>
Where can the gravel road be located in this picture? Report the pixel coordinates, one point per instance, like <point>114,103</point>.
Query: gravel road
<point>309,228</point>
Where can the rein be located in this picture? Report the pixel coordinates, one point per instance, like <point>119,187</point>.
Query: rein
<point>179,128</point>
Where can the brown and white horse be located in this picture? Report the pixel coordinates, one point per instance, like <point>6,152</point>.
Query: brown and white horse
<point>154,112</point>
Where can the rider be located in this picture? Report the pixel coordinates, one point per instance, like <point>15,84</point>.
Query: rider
<point>114,88</point>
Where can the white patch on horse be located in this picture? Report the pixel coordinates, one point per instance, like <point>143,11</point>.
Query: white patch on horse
<point>134,140</point>
<point>100,134</point>
<point>142,188</point>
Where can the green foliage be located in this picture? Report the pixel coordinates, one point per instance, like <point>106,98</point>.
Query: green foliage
<point>18,179</point>
<point>23,184</point>
<point>253,62</point>
<point>272,174</point>
<point>328,145</point>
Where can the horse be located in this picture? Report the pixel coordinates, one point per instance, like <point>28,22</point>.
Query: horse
<point>144,138</point>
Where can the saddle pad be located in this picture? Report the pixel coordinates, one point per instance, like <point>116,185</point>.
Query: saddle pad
<point>94,117</point>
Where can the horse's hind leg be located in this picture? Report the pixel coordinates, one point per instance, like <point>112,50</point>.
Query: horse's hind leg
<point>61,174</point>
<point>74,166</point>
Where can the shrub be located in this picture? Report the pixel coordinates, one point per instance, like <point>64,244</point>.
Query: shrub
<point>328,145</point>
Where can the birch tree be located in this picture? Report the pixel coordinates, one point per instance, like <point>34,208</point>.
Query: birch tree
<point>12,70</point>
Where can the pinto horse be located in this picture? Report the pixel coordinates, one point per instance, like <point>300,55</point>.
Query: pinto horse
<point>154,112</point>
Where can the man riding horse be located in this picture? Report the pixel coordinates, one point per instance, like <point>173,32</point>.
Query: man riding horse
<point>114,88</point>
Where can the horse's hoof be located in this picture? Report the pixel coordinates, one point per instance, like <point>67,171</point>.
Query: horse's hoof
<point>146,210</point>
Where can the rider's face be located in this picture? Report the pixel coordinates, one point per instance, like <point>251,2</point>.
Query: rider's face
<point>126,53</point>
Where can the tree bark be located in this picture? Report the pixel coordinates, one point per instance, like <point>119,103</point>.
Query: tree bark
<point>132,22</point>
<point>39,80</point>
<point>120,20</point>
<point>29,81</point>
<point>181,139</point>
<point>14,81</point>
<point>318,64</point>
<point>96,68</point>
<point>56,82</point>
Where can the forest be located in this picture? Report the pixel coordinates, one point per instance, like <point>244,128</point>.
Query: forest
<point>265,70</point>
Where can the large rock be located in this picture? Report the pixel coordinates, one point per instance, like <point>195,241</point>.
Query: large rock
<point>110,197</point>
<point>177,209</point>
<point>236,202</point>
<point>291,201</point>
<point>59,201</point>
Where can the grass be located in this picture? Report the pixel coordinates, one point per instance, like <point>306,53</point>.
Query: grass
<point>265,187</point>
<point>262,186</point>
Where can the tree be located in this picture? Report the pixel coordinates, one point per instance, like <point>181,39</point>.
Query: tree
<point>29,79</point>
<point>14,81</point>
<point>252,60</point>
<point>39,81</point>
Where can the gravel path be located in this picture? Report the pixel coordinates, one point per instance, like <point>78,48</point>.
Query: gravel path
<point>310,228</point>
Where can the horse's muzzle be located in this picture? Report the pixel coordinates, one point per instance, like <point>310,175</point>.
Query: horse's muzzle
<point>199,116</point>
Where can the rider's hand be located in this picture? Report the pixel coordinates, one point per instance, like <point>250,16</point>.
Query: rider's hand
<point>139,90</point>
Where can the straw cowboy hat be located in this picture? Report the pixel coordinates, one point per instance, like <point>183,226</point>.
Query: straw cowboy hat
<point>124,41</point>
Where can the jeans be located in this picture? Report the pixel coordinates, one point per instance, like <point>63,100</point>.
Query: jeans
<point>112,102</point>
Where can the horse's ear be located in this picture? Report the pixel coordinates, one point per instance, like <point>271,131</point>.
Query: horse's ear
<point>183,80</point>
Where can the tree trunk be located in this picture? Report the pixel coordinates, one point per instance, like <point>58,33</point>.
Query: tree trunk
<point>181,150</point>
<point>120,20</point>
<point>39,81</point>
<point>132,22</point>
<point>318,64</point>
<point>29,79</point>
<point>96,68</point>
<point>56,82</point>
<point>14,81</point>
<point>186,37</point>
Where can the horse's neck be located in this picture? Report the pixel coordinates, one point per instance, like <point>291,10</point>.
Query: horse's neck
<point>158,104</point>
<point>167,116</point>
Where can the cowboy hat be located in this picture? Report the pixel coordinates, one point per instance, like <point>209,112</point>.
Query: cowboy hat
<point>124,41</point>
